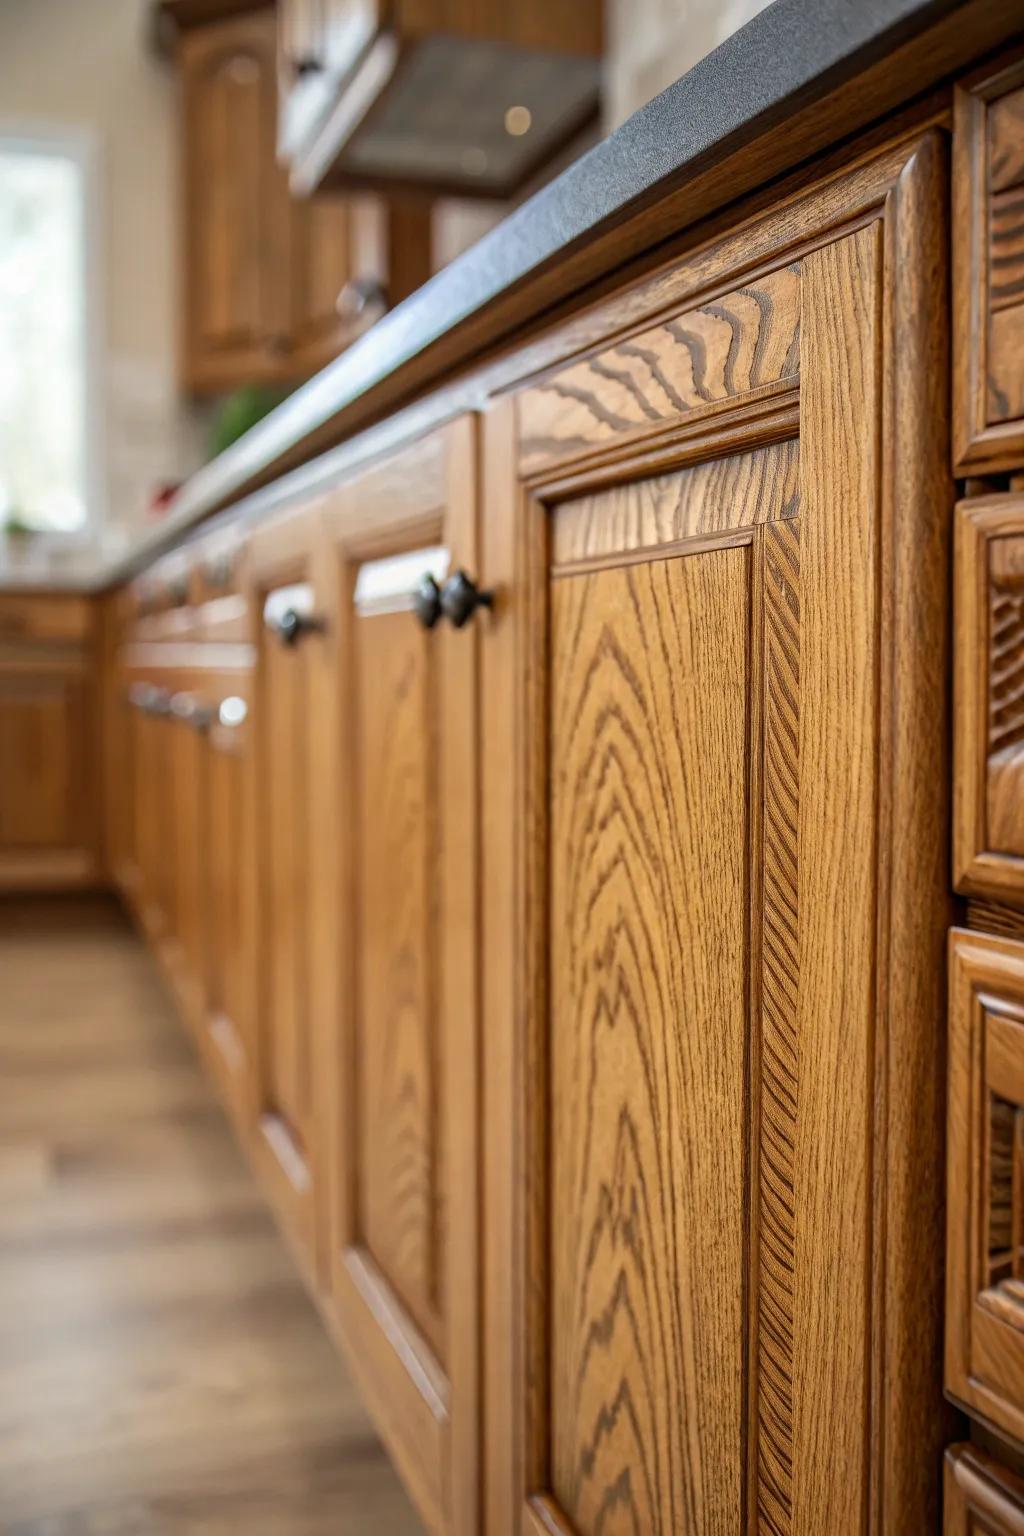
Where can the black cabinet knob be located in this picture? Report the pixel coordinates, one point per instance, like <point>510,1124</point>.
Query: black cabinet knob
<point>461,597</point>
<point>426,601</point>
<point>292,625</point>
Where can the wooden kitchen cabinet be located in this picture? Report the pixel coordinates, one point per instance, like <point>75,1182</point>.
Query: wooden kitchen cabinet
<point>293,712</point>
<point>263,271</point>
<point>715,894</point>
<point>50,833</point>
<point>403,1114</point>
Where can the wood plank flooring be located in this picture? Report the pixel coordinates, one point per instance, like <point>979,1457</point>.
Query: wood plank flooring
<point>162,1371</point>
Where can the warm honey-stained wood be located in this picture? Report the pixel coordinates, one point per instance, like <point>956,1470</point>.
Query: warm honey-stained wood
<point>988,268</point>
<point>403,1118</point>
<point>649,687</point>
<point>742,343</point>
<point>395,720</point>
<point>988,829</point>
<point>985,1189</point>
<point>50,812</point>
<point>230,892</point>
<point>981,1497</point>
<point>292,710</point>
<point>263,271</point>
<point>698,926</point>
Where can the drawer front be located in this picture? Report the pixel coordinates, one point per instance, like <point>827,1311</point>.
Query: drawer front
<point>981,1497</point>
<point>988,269</point>
<point>985,1178</point>
<point>988,836</point>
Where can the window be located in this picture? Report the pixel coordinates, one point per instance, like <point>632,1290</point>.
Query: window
<point>44,400</point>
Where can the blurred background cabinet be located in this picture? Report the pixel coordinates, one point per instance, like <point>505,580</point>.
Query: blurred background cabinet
<point>263,271</point>
<point>49,818</point>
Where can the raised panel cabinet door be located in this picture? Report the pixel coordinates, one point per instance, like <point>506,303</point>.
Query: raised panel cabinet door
<point>988,826</point>
<point>47,816</point>
<point>714,896</point>
<point>988,268</point>
<point>230,888</point>
<point>985,1180</point>
<point>981,1497</point>
<point>236,205</point>
<point>289,721</point>
<point>404,1261</point>
<point>189,790</point>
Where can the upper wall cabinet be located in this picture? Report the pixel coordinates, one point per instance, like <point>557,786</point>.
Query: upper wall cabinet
<point>988,270</point>
<point>274,288</point>
<point>460,96</point>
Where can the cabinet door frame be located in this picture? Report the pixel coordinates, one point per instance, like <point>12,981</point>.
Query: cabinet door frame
<point>427,1412</point>
<point>287,551</point>
<point>900,196</point>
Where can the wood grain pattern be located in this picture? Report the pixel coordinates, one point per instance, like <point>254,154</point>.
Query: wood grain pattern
<point>648,1023</point>
<point>984,1307</point>
<point>720,496</point>
<point>988,267</point>
<point>1006,246</point>
<point>728,347</point>
<point>780,1042</point>
<point>988,833</point>
<point>839,745</point>
<point>395,706</point>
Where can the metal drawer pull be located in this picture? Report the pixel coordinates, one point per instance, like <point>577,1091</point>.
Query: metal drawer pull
<point>292,625</point>
<point>232,711</point>
<point>461,597</point>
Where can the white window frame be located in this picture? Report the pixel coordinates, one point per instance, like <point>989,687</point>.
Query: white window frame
<point>81,147</point>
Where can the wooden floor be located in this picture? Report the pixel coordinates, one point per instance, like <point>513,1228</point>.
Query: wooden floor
<point>162,1372</point>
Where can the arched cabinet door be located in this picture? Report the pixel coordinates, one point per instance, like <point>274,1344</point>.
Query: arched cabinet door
<point>236,208</point>
<point>402,1081</point>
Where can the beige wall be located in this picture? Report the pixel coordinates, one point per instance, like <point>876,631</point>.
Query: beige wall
<point>83,65</point>
<point>652,42</point>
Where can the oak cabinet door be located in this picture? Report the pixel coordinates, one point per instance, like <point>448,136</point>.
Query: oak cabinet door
<point>403,1200</point>
<point>44,762</point>
<point>988,268</point>
<point>714,895</point>
<point>236,204</point>
<point>230,889</point>
<point>288,720</point>
<point>988,828</point>
<point>188,786</point>
<point>985,1183</point>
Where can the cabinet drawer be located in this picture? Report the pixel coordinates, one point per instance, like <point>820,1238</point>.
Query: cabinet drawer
<point>981,1496</point>
<point>985,1178</point>
<point>988,834</point>
<point>988,269</point>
